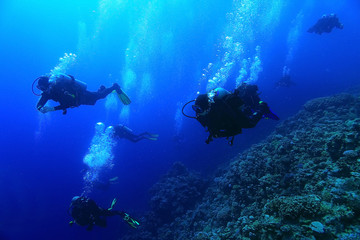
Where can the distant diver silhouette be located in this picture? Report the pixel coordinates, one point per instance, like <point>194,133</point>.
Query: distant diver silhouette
<point>326,24</point>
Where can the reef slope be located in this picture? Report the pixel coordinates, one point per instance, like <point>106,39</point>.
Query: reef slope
<point>302,182</point>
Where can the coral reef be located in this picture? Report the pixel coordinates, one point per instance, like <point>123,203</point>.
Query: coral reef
<point>302,182</point>
<point>177,192</point>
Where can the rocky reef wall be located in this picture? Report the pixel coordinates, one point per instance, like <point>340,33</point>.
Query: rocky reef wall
<point>302,182</point>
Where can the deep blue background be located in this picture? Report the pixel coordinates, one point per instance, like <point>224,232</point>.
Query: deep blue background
<point>171,41</point>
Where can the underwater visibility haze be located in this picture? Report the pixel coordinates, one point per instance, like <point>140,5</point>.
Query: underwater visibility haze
<point>297,178</point>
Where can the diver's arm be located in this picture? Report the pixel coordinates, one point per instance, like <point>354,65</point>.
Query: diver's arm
<point>46,109</point>
<point>42,101</point>
<point>41,105</point>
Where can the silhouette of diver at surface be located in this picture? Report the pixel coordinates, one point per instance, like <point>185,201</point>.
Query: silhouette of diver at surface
<point>70,93</point>
<point>285,80</point>
<point>225,114</point>
<point>86,212</point>
<point>326,24</point>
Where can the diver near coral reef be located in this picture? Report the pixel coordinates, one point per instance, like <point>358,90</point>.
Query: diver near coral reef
<point>86,212</point>
<point>122,131</point>
<point>326,24</point>
<point>70,93</point>
<point>225,114</point>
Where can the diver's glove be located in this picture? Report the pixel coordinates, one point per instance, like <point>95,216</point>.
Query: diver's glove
<point>46,109</point>
<point>129,220</point>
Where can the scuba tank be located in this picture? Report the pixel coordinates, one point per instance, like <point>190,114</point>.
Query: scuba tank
<point>68,80</point>
<point>79,84</point>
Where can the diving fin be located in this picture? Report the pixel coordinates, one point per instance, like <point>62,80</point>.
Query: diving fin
<point>129,220</point>
<point>123,97</point>
<point>112,204</point>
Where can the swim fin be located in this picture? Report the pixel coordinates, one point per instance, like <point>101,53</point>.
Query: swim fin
<point>152,138</point>
<point>123,97</point>
<point>131,221</point>
<point>112,204</point>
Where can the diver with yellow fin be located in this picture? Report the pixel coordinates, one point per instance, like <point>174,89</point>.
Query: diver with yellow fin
<point>70,93</point>
<point>86,212</point>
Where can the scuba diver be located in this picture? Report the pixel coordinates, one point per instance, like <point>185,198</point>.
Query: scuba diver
<point>122,131</point>
<point>70,93</point>
<point>326,24</point>
<point>285,80</point>
<point>86,212</point>
<point>225,114</point>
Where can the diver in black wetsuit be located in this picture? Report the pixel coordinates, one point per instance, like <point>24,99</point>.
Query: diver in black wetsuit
<point>225,114</point>
<point>70,93</point>
<point>326,24</point>
<point>122,131</point>
<point>86,212</point>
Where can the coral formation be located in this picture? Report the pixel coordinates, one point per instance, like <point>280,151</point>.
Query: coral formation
<point>302,182</point>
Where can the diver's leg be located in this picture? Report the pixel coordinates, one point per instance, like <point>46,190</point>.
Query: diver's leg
<point>146,135</point>
<point>101,221</point>
<point>106,91</point>
<point>107,212</point>
<point>135,138</point>
<point>153,135</point>
<point>90,98</point>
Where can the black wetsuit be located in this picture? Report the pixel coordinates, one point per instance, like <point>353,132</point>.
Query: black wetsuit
<point>86,212</point>
<point>68,93</point>
<point>230,113</point>
<point>326,24</point>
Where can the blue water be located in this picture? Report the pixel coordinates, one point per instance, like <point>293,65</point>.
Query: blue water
<point>162,53</point>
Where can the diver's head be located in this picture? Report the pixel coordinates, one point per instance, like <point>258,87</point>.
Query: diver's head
<point>43,83</point>
<point>201,105</point>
